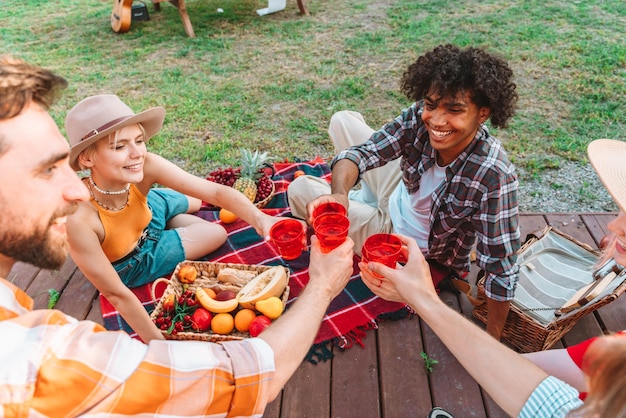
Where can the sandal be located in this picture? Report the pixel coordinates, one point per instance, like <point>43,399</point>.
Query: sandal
<point>439,413</point>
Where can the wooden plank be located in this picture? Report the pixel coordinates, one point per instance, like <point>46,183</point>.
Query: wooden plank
<point>572,224</point>
<point>585,328</point>
<point>452,387</point>
<point>355,391</point>
<point>307,393</point>
<point>531,223</point>
<point>597,224</point>
<point>48,279</point>
<point>403,379</point>
<point>77,297</point>
<point>22,275</point>
<point>95,313</point>
<point>272,410</point>
<point>613,315</point>
<point>492,409</point>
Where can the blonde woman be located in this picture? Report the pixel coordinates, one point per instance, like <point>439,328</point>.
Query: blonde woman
<point>129,233</point>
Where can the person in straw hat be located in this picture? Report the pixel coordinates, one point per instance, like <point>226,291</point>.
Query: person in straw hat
<point>519,386</point>
<point>130,233</point>
<point>606,157</point>
<point>56,365</point>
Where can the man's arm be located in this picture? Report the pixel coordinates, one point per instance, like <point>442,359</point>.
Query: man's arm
<point>497,246</point>
<point>292,335</point>
<point>508,377</point>
<point>345,174</point>
<point>558,363</point>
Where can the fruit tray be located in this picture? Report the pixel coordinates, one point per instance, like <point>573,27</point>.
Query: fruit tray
<point>207,277</point>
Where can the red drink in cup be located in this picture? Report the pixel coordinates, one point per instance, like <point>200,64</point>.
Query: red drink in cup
<point>382,248</point>
<point>331,230</point>
<point>288,237</point>
<point>329,207</point>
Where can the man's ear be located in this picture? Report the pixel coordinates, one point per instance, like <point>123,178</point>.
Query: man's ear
<point>483,114</point>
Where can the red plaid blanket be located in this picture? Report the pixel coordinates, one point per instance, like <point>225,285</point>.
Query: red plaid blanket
<point>352,313</point>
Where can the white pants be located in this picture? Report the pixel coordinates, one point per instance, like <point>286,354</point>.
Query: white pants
<point>368,211</point>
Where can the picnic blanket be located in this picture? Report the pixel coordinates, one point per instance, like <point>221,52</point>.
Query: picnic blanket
<point>350,314</point>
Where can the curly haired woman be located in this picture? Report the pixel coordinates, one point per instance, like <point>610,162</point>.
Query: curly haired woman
<point>458,186</point>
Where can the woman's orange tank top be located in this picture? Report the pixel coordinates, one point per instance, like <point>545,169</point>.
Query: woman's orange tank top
<point>123,228</point>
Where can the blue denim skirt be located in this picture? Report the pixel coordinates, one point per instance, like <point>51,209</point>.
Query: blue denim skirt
<point>159,250</point>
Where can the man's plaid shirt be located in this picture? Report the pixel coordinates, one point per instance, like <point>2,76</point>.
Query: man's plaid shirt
<point>476,204</point>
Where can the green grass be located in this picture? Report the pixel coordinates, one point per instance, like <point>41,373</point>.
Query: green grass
<point>273,82</point>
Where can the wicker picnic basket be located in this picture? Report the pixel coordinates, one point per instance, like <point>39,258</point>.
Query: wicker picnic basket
<point>536,323</point>
<point>207,277</point>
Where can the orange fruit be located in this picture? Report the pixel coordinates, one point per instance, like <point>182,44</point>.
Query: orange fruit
<point>223,323</point>
<point>210,292</point>
<point>227,217</point>
<point>298,173</point>
<point>243,318</point>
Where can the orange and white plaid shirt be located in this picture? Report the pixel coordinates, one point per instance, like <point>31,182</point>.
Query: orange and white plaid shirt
<point>54,365</point>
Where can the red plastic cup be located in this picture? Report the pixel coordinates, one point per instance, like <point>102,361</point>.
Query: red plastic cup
<point>288,238</point>
<point>382,248</point>
<point>329,207</point>
<point>331,230</point>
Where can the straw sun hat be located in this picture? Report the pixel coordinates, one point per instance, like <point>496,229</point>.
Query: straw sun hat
<point>608,158</point>
<point>97,116</point>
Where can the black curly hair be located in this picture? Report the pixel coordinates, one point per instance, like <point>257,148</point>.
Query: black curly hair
<point>448,70</point>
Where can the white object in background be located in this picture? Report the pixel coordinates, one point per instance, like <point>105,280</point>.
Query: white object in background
<point>272,7</point>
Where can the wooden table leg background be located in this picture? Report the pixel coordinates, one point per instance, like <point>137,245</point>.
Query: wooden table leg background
<point>182,10</point>
<point>302,7</point>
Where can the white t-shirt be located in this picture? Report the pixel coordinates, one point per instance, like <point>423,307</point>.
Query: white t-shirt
<point>410,214</point>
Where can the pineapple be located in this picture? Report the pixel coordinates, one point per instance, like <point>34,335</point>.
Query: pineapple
<point>250,166</point>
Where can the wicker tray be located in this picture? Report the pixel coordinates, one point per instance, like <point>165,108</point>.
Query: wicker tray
<point>207,277</point>
<point>262,203</point>
<point>534,329</point>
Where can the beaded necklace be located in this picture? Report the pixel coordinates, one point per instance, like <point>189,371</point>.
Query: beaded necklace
<point>105,206</point>
<point>107,192</point>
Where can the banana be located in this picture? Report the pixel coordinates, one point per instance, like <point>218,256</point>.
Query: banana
<point>215,306</point>
<point>271,282</point>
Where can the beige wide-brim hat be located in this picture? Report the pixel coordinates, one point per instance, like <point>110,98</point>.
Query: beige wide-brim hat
<point>97,116</point>
<point>608,159</point>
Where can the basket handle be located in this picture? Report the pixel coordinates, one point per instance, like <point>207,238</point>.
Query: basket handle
<point>154,285</point>
<point>538,233</point>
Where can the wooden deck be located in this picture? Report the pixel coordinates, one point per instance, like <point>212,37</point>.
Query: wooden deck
<point>385,378</point>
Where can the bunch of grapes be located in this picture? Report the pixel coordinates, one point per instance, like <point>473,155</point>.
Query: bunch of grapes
<point>264,188</point>
<point>178,318</point>
<point>225,176</point>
